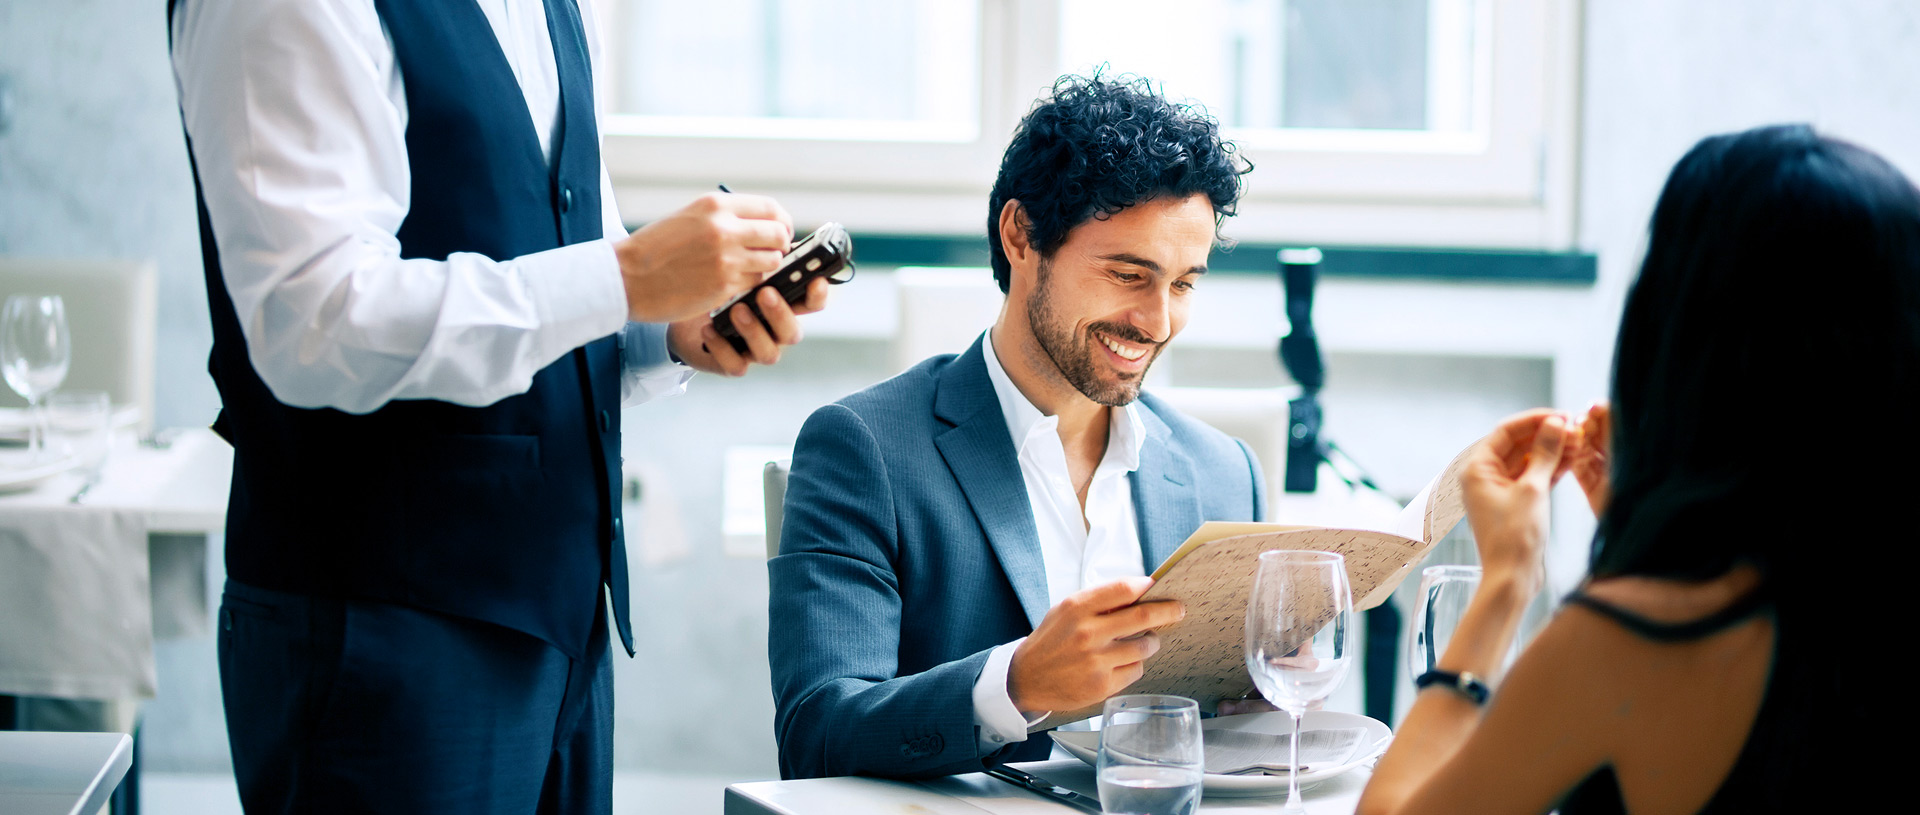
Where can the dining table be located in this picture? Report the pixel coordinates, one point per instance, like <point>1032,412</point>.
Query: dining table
<point>92,571</point>
<point>976,793</point>
<point>60,773</point>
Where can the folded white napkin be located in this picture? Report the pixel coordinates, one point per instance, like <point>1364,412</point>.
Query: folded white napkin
<point>1239,752</point>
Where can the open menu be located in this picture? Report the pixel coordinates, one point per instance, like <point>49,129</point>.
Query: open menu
<point>1202,656</point>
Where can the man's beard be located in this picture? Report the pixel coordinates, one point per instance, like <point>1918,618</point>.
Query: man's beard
<point>1074,356</point>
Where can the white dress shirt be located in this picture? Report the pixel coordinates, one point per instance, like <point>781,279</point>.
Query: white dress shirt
<point>297,116</point>
<point>1079,551</point>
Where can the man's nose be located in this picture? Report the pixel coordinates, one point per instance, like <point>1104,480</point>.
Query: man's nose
<point>1153,315</point>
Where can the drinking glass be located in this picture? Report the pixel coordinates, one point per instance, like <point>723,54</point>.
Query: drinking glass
<point>1299,629</point>
<point>80,423</point>
<point>1150,755</point>
<point>34,353</point>
<point>1444,594</point>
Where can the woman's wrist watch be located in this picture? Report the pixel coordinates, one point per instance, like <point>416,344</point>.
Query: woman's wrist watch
<point>1464,683</point>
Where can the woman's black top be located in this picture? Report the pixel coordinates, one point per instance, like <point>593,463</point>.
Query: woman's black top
<point>1802,748</point>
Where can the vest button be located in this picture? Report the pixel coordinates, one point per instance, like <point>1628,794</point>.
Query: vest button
<point>606,421</point>
<point>566,199</point>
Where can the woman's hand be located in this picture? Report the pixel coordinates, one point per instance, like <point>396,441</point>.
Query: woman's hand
<point>1506,484</point>
<point>1588,458</point>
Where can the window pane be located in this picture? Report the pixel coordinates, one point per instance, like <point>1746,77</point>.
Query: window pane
<point>1268,64</point>
<point>852,60</point>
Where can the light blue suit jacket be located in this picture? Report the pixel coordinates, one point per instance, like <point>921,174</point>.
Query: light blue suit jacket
<point>909,552</point>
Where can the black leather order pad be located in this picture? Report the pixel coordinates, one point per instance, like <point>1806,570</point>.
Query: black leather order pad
<point>825,253</point>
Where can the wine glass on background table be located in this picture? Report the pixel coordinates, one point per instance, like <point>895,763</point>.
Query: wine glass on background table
<point>1151,758</point>
<point>35,351</point>
<point>1444,594</point>
<point>1299,629</point>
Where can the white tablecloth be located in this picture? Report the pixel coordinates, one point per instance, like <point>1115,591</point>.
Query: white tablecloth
<point>975,793</point>
<point>77,581</point>
<point>60,773</point>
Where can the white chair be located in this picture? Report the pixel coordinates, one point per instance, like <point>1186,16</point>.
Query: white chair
<point>112,313</point>
<point>942,311</point>
<point>774,482</point>
<point>1258,416</point>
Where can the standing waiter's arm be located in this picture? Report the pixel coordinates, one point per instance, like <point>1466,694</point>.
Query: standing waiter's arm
<point>297,116</point>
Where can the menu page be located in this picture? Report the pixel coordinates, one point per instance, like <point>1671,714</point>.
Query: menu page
<point>1202,656</point>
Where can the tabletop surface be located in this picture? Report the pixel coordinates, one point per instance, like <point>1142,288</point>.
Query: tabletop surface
<point>976,793</point>
<point>180,488</point>
<point>117,569</point>
<point>60,773</point>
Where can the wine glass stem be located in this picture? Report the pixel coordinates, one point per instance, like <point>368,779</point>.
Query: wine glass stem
<point>36,431</point>
<point>1293,774</point>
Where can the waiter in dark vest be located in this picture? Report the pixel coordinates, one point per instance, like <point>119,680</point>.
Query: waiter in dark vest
<point>426,319</point>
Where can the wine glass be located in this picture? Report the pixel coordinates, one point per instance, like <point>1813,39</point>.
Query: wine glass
<point>1150,760</point>
<point>1299,624</point>
<point>34,353</point>
<point>1444,594</point>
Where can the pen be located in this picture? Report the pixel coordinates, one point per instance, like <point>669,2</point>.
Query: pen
<point>1051,790</point>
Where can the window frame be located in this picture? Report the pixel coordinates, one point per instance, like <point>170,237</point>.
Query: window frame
<point>1511,184</point>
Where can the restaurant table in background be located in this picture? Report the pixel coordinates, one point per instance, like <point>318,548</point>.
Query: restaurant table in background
<point>60,773</point>
<point>975,793</point>
<point>86,588</point>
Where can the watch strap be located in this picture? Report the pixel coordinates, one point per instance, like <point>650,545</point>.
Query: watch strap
<point>1465,683</point>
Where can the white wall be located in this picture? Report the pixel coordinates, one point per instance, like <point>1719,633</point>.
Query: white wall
<point>1662,74</point>
<point>95,165</point>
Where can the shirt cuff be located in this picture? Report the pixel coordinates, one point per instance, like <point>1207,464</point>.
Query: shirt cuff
<point>995,719</point>
<point>577,292</point>
<point>647,371</point>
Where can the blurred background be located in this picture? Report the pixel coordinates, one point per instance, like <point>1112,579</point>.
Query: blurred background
<point>1479,172</point>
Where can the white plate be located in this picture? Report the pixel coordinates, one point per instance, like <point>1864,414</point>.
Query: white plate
<point>15,420</point>
<point>18,475</point>
<point>1085,745</point>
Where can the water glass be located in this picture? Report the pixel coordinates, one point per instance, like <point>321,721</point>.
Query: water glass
<point>1299,637</point>
<point>35,351</point>
<point>1150,755</point>
<point>1444,594</point>
<point>80,424</point>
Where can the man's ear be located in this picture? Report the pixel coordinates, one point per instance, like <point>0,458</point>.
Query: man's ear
<point>1015,232</point>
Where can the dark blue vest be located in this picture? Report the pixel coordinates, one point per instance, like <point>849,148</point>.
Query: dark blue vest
<point>508,513</point>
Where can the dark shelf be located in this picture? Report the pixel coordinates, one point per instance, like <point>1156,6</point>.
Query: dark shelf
<point>1479,265</point>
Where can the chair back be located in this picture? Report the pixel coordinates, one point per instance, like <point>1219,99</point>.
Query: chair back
<point>112,313</point>
<point>942,311</point>
<point>1257,416</point>
<point>774,482</point>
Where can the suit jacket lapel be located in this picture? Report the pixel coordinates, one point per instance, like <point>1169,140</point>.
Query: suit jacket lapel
<point>981,455</point>
<point>1164,495</point>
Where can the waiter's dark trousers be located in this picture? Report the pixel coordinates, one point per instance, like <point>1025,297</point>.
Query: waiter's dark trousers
<point>337,706</point>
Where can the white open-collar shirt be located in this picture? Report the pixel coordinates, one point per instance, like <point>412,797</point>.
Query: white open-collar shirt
<point>297,115</point>
<point>1079,552</point>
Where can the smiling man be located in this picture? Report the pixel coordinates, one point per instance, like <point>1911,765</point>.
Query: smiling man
<point>963,544</point>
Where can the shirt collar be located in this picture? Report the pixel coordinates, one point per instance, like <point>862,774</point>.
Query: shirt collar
<point>1125,435</point>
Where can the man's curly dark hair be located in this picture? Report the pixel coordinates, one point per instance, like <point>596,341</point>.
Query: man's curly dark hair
<point>1097,146</point>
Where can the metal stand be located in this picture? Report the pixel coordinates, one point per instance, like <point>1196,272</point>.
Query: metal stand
<point>1307,450</point>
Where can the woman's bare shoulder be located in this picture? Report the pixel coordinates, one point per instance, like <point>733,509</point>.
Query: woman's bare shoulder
<point>1666,600</point>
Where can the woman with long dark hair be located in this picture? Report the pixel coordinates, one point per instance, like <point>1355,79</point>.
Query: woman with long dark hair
<point>1728,652</point>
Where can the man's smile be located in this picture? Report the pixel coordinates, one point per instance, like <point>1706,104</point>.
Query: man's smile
<point>1129,354</point>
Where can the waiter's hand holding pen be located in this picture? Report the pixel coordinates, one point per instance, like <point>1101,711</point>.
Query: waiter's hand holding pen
<point>689,262</point>
<point>693,340</point>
